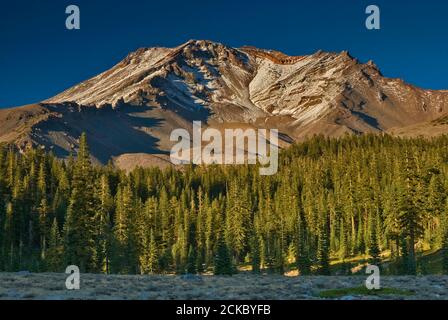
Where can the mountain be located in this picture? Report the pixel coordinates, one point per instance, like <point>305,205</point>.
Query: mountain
<point>133,107</point>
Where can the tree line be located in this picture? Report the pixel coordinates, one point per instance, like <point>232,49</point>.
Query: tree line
<point>332,199</point>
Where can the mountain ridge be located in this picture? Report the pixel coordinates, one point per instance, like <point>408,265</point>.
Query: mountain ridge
<point>155,90</point>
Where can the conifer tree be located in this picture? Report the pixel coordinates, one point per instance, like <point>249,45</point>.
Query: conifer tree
<point>191,261</point>
<point>434,209</point>
<point>102,221</point>
<point>445,240</point>
<point>374,250</point>
<point>343,250</point>
<point>255,254</point>
<point>323,250</point>
<point>8,250</point>
<point>124,256</point>
<point>78,229</point>
<point>54,257</point>
<point>149,260</point>
<point>223,262</point>
<point>410,216</point>
<point>303,259</point>
<point>153,265</point>
<point>338,198</point>
<point>237,213</point>
<point>2,222</point>
<point>43,225</point>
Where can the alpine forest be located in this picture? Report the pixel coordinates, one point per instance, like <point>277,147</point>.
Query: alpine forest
<point>334,203</point>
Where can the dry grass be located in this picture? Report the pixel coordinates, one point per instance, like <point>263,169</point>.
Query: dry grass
<point>243,286</point>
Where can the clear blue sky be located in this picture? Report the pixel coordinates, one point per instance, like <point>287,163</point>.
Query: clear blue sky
<point>39,57</point>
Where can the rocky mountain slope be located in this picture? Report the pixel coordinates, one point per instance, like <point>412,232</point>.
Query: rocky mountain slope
<point>133,107</point>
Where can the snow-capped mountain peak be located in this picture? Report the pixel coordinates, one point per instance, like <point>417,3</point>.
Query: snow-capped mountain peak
<point>153,90</point>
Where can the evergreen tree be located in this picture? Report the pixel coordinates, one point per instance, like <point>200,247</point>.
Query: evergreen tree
<point>374,250</point>
<point>43,225</point>
<point>78,229</point>
<point>410,215</point>
<point>255,254</point>
<point>237,213</point>
<point>55,250</point>
<point>445,241</point>
<point>323,250</point>
<point>153,265</point>
<point>9,248</point>
<point>124,244</point>
<point>149,260</point>
<point>102,221</point>
<point>191,261</point>
<point>330,198</point>
<point>223,262</point>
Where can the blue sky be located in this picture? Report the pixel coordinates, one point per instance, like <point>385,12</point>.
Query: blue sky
<point>39,57</point>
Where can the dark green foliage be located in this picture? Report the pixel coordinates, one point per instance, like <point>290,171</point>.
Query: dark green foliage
<point>374,249</point>
<point>54,255</point>
<point>255,256</point>
<point>331,199</point>
<point>78,228</point>
<point>323,247</point>
<point>410,211</point>
<point>223,262</point>
<point>445,241</point>
<point>191,261</point>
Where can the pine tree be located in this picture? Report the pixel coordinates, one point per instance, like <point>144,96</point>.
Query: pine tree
<point>323,250</point>
<point>2,221</point>
<point>405,266</point>
<point>153,263</point>
<point>149,260</point>
<point>54,256</point>
<point>43,226</point>
<point>42,182</point>
<point>102,220</point>
<point>410,215</point>
<point>303,264</point>
<point>9,250</point>
<point>237,213</point>
<point>223,262</point>
<point>124,258</point>
<point>167,214</point>
<point>279,257</point>
<point>445,240</point>
<point>191,261</point>
<point>374,250</point>
<point>434,209</point>
<point>212,221</point>
<point>330,198</point>
<point>343,250</point>
<point>255,254</point>
<point>79,246</point>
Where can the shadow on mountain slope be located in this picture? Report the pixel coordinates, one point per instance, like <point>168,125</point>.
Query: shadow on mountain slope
<point>110,132</point>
